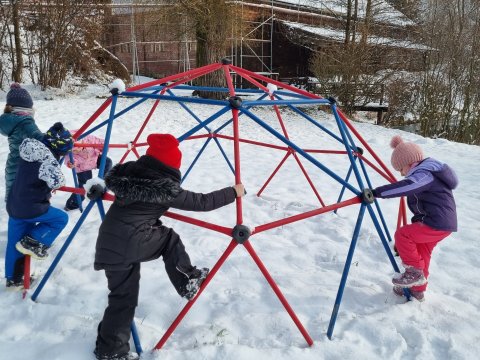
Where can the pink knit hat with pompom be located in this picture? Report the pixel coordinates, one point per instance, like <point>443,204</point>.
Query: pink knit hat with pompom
<point>404,153</point>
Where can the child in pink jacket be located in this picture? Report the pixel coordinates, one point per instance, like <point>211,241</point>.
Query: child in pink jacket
<point>85,159</point>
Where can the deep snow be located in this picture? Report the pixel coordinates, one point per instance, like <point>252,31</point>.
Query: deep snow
<point>238,316</point>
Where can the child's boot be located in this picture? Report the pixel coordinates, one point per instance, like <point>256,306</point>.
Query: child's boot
<point>14,284</point>
<point>71,204</point>
<point>127,356</point>
<point>418,295</point>
<point>411,277</point>
<point>30,246</point>
<point>195,280</point>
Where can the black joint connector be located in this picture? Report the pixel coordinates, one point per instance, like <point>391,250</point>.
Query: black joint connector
<point>332,100</point>
<point>367,196</point>
<point>114,91</point>
<point>241,233</point>
<point>359,150</point>
<point>226,61</point>
<point>235,101</point>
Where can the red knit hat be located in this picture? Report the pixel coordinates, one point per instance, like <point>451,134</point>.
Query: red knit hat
<point>404,153</point>
<point>164,148</point>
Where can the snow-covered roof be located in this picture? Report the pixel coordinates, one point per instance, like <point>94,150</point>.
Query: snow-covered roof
<point>382,11</point>
<point>339,35</point>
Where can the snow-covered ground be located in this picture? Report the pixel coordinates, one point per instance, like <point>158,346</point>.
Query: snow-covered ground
<point>238,315</point>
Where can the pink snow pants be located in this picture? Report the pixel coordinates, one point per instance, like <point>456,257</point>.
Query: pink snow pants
<point>415,243</point>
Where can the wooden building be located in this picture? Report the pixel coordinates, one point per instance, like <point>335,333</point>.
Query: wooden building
<point>283,38</point>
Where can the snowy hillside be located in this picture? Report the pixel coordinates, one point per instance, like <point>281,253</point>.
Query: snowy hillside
<point>238,316</point>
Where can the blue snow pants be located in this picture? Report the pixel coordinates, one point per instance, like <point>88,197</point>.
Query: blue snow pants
<point>44,228</point>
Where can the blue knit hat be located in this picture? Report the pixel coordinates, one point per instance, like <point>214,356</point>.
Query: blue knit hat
<point>17,96</point>
<point>58,139</point>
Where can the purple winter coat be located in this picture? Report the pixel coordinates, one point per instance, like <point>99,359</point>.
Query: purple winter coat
<point>428,188</point>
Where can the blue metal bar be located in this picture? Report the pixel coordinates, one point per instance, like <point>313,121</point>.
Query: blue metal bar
<point>136,338</point>
<point>178,98</point>
<point>106,143</point>
<point>377,205</point>
<point>300,151</point>
<point>205,122</point>
<point>288,93</point>
<point>201,88</point>
<point>314,122</point>
<point>62,251</point>
<point>343,187</point>
<point>384,241</point>
<point>239,114</point>
<point>190,112</point>
<point>224,155</point>
<point>406,291</point>
<point>75,181</point>
<point>120,113</point>
<point>346,269</point>
<point>285,102</point>
<point>195,160</point>
<point>344,133</point>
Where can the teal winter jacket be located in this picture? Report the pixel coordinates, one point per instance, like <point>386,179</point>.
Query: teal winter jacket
<point>17,128</point>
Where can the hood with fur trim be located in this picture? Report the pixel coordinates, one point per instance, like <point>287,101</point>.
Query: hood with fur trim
<point>145,180</point>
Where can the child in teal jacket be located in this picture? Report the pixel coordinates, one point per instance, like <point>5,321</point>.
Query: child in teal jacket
<point>17,124</point>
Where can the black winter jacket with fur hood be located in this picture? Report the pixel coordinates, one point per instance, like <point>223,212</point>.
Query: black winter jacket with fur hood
<point>144,190</point>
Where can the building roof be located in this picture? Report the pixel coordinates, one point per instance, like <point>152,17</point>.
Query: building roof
<point>382,11</point>
<point>338,35</point>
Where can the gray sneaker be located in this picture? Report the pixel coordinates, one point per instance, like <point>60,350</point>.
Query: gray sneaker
<point>30,246</point>
<point>411,277</point>
<point>418,295</point>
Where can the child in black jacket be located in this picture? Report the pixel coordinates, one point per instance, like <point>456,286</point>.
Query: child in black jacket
<point>132,233</point>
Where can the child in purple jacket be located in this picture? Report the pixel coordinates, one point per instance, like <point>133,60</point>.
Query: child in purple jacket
<point>428,186</point>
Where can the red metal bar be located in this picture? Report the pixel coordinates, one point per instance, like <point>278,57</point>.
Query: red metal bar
<point>236,151</point>
<point>233,244</point>
<point>92,118</point>
<point>275,82</point>
<point>308,179</point>
<point>74,190</point>
<point>228,79</point>
<point>333,152</point>
<point>211,67</point>
<point>274,172</point>
<point>277,291</point>
<point>187,78</point>
<point>236,144</point>
<point>373,166</point>
<point>134,150</point>
<point>291,219</point>
<point>195,137</point>
<point>26,276</point>
<point>364,143</point>
<point>404,211</point>
<point>124,156</point>
<point>252,142</point>
<point>109,197</point>
<point>221,229</point>
<point>100,146</point>
<point>254,82</point>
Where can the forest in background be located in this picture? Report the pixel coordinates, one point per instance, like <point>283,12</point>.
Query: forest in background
<point>47,41</point>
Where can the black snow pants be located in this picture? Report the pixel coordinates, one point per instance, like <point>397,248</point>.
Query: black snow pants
<point>114,329</point>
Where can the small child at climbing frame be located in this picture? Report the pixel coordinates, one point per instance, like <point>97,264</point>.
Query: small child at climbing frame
<point>428,186</point>
<point>33,224</point>
<point>132,233</point>
<point>85,159</point>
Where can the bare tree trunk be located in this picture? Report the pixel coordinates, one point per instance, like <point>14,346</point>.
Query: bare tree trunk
<point>17,68</point>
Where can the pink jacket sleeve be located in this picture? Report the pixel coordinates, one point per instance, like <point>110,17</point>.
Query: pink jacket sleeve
<point>86,159</point>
